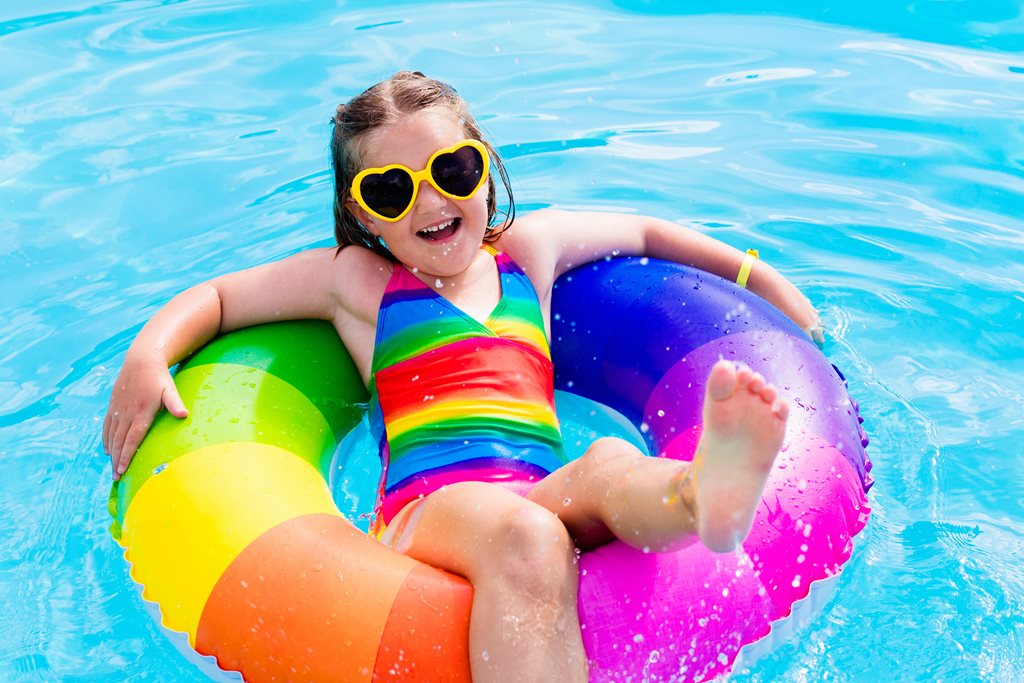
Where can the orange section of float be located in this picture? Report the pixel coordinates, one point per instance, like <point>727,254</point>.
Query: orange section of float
<point>191,520</point>
<point>310,599</point>
<point>427,633</point>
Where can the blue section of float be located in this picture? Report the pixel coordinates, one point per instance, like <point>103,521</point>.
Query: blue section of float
<point>683,309</point>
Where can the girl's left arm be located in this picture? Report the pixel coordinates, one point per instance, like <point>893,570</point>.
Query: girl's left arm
<point>574,238</point>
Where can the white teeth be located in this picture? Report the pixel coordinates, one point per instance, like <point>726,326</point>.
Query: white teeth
<point>441,226</point>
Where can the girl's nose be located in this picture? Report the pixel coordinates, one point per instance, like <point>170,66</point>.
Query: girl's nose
<point>428,198</point>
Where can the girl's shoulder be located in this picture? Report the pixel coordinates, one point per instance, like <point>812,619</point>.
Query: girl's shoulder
<point>358,278</point>
<point>342,284</point>
<point>533,241</point>
<point>533,232</point>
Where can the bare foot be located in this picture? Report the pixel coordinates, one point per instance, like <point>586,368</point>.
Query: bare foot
<point>744,422</point>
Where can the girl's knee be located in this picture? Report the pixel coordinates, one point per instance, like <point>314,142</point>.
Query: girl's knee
<point>610,453</point>
<point>535,552</point>
<point>491,535</point>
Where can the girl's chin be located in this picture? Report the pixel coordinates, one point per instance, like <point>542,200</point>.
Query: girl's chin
<point>453,259</point>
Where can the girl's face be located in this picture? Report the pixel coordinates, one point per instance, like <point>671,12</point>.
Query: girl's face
<point>440,236</point>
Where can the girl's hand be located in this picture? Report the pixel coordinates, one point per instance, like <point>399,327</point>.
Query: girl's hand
<point>143,386</point>
<point>770,285</point>
<point>816,330</point>
<point>804,314</point>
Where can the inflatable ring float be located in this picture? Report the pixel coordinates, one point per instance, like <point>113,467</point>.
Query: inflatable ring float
<point>230,528</point>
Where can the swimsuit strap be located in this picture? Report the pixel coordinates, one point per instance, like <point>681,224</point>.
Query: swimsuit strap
<point>414,318</point>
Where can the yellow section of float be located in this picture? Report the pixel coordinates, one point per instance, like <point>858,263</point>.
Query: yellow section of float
<point>174,533</point>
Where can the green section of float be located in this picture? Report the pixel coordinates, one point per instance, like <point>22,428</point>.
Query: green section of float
<point>305,353</point>
<point>290,385</point>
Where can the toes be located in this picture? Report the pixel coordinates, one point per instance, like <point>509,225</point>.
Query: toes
<point>780,409</point>
<point>744,374</point>
<point>721,381</point>
<point>726,377</point>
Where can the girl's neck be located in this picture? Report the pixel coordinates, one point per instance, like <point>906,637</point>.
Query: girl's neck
<point>479,269</point>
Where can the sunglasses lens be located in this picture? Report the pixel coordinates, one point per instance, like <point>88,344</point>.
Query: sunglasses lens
<point>458,173</point>
<point>388,193</point>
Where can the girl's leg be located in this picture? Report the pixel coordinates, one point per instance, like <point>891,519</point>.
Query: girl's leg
<point>658,504</point>
<point>522,564</point>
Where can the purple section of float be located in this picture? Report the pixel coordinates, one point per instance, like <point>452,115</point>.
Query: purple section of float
<point>687,628</point>
<point>817,396</point>
<point>691,626</point>
<point>684,615</point>
<point>812,507</point>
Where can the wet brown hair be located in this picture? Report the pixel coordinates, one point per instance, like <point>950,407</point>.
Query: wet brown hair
<point>406,92</point>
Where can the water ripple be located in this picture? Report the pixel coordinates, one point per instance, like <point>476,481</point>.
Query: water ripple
<point>942,58</point>
<point>745,77</point>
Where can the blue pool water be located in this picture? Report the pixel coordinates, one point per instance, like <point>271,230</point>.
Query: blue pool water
<point>872,151</point>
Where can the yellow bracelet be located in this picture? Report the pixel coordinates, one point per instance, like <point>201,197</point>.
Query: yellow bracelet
<point>745,267</point>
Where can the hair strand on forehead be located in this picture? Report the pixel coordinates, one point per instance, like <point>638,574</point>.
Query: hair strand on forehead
<point>405,93</point>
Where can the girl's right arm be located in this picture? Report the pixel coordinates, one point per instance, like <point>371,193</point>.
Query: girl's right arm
<point>306,285</point>
<point>144,384</point>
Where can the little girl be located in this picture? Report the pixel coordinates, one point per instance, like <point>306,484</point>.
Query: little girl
<point>445,311</point>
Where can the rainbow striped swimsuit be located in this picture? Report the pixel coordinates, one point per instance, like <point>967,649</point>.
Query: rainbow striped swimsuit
<point>454,399</point>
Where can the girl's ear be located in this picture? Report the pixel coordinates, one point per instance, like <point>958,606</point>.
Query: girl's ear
<point>364,218</point>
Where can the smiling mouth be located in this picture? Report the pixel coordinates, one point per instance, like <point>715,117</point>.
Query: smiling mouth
<point>441,231</point>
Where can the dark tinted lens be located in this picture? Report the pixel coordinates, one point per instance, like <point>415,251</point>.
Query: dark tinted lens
<point>458,173</point>
<point>387,193</point>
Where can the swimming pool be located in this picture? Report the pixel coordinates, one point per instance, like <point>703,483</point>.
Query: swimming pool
<point>874,156</point>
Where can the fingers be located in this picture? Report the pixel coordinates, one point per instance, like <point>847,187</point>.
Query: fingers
<point>172,401</point>
<point>816,330</point>
<point>126,441</point>
<point>818,335</point>
<point>123,433</point>
<point>117,454</point>
<point>106,432</point>
<point>133,438</point>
